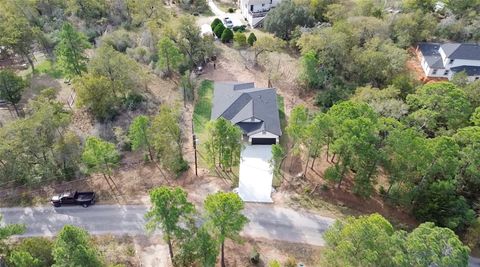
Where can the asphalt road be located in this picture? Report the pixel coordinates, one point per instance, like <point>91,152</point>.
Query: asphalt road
<point>266,221</point>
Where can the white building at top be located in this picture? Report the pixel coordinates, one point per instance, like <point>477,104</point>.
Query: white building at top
<point>254,11</point>
<point>444,60</point>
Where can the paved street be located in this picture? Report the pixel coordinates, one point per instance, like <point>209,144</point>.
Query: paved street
<point>266,221</point>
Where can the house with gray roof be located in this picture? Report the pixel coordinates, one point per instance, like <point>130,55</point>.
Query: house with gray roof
<point>444,60</point>
<point>254,110</point>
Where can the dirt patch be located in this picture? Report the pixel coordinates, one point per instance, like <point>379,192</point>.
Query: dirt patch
<point>117,250</point>
<point>269,250</point>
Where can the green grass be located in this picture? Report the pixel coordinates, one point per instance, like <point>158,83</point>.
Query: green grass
<point>49,68</point>
<point>203,108</point>
<point>283,120</point>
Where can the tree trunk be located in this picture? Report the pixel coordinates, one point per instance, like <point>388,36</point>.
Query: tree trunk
<point>170,249</point>
<point>16,109</point>
<point>306,167</point>
<point>30,61</point>
<point>313,162</point>
<point>223,255</point>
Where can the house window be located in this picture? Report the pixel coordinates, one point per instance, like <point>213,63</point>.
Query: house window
<point>451,61</point>
<point>270,2</point>
<point>446,72</point>
<point>476,78</point>
<point>434,72</point>
<point>251,8</point>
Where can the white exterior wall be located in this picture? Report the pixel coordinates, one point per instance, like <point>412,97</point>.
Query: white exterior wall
<point>463,62</point>
<point>262,135</point>
<point>473,78</point>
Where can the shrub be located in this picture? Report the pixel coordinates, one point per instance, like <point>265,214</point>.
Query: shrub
<point>291,262</point>
<point>251,39</point>
<point>133,101</point>
<point>239,28</point>
<point>231,10</point>
<point>219,30</point>
<point>227,35</point>
<point>38,248</point>
<point>120,40</point>
<point>332,174</point>
<point>215,22</point>
<point>240,39</point>
<point>274,263</point>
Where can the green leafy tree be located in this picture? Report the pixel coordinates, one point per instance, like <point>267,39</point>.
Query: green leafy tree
<point>386,102</point>
<point>311,74</point>
<point>144,12</point>
<point>468,175</point>
<point>169,56</point>
<point>266,44</point>
<point>11,88</point>
<point>363,241</point>
<point>215,22</point>
<point>125,74</point>
<point>278,155</point>
<point>89,10</point>
<point>73,247</point>
<point>18,34</point>
<point>475,119</point>
<point>191,43</point>
<point>409,28</point>
<point>197,247</point>
<point>223,143</point>
<point>6,231</point>
<point>240,39</point>
<point>223,215</point>
<point>296,128</point>
<point>227,35</point>
<point>440,203</point>
<point>285,17</point>
<point>372,241</point>
<point>71,51</point>
<point>407,161</point>
<point>251,39</point>
<point>139,134</point>
<point>97,94</point>
<point>32,252</point>
<point>369,62</point>
<point>166,139</point>
<point>219,29</point>
<point>439,108</point>
<point>100,156</point>
<point>318,133</point>
<point>170,208</point>
<point>429,245</point>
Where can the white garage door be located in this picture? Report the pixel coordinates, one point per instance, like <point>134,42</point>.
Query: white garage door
<point>256,174</point>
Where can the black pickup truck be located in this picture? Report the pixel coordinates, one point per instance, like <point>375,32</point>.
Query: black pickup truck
<point>74,198</point>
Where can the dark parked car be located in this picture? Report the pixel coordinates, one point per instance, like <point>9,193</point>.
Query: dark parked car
<point>74,198</point>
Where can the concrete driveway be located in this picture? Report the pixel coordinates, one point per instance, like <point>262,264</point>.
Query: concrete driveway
<point>256,174</point>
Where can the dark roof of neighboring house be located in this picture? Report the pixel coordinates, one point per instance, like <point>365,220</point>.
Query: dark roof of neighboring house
<point>469,70</point>
<point>461,51</point>
<point>238,102</point>
<point>431,55</point>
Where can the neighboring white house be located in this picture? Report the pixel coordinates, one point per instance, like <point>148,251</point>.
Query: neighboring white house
<point>254,11</point>
<point>444,60</point>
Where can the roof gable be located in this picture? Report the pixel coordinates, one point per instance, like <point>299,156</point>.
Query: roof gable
<point>462,51</point>
<point>238,102</point>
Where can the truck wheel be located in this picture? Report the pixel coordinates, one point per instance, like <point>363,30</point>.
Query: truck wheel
<point>85,205</point>
<point>57,205</point>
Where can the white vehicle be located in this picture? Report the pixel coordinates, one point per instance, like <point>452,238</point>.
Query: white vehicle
<point>228,22</point>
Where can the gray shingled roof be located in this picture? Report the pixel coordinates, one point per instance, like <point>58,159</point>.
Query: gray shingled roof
<point>469,70</point>
<point>462,51</point>
<point>431,55</point>
<point>241,101</point>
